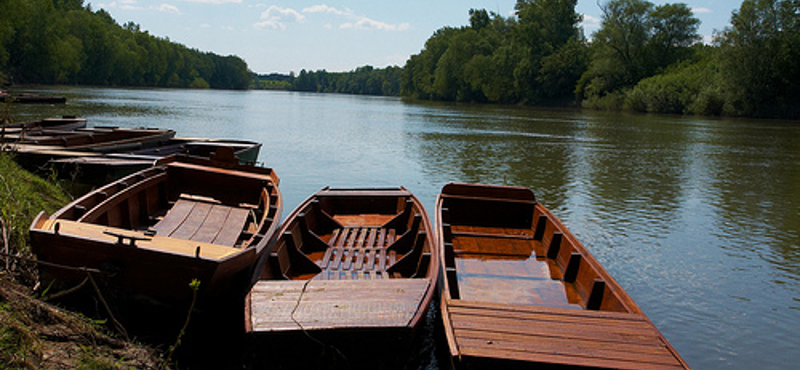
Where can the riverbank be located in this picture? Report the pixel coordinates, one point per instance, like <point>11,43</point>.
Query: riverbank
<point>35,334</point>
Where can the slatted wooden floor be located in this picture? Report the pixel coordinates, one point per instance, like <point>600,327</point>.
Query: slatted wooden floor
<point>558,336</point>
<point>358,253</point>
<point>329,304</point>
<point>203,221</point>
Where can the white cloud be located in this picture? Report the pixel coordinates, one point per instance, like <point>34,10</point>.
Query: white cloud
<point>215,1</point>
<point>327,9</point>
<point>364,23</point>
<point>132,5</point>
<point>166,8</point>
<point>589,21</point>
<point>702,10</point>
<point>356,21</point>
<point>274,17</point>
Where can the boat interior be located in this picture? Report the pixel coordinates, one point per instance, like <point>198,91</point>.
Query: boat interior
<point>353,235</point>
<point>183,201</point>
<point>81,137</point>
<point>500,247</point>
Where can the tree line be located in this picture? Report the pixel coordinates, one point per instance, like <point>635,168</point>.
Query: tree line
<point>65,42</point>
<point>643,58</point>
<point>365,80</point>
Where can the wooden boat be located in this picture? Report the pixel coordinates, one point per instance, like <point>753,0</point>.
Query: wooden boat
<point>101,168</point>
<point>154,231</point>
<point>33,99</point>
<point>520,289</point>
<point>36,148</point>
<point>348,265</point>
<point>55,123</point>
<point>100,139</point>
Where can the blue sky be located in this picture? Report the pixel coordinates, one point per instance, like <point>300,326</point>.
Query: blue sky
<point>335,35</point>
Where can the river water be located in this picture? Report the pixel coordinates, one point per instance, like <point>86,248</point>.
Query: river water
<point>697,218</point>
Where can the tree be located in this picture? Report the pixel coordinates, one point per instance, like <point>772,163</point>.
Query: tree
<point>758,58</point>
<point>635,40</point>
<point>546,27</point>
<point>674,32</point>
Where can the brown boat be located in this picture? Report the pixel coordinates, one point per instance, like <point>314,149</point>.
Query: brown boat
<point>34,149</point>
<point>520,289</point>
<point>153,232</point>
<point>351,267</point>
<point>100,139</point>
<point>55,123</point>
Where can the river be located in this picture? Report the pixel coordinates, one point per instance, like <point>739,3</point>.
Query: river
<point>697,218</point>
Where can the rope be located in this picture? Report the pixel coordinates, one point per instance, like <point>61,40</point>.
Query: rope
<point>303,329</point>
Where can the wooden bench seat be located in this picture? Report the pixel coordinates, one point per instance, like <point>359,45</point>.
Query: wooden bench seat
<point>558,336</point>
<point>203,221</point>
<point>328,304</point>
<point>161,243</point>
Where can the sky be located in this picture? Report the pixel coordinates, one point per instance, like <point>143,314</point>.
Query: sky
<point>282,36</point>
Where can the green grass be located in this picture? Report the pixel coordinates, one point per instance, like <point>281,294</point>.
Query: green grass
<point>22,196</point>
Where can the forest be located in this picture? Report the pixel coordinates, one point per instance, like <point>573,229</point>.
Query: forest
<point>365,80</point>
<point>643,58</point>
<point>65,42</point>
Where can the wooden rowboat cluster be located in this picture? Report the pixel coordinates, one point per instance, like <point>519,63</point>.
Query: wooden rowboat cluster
<point>99,155</point>
<point>357,267</point>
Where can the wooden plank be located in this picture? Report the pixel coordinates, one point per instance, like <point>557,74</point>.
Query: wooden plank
<point>326,304</point>
<point>521,310</point>
<point>566,347</point>
<point>193,221</point>
<point>607,331</point>
<point>212,224</point>
<point>174,217</point>
<point>233,226</point>
<point>160,243</point>
<point>501,354</point>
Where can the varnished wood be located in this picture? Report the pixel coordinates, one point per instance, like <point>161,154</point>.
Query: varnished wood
<point>375,272</point>
<point>519,288</point>
<point>192,218</point>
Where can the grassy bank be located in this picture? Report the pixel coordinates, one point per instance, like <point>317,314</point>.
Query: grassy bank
<point>33,333</point>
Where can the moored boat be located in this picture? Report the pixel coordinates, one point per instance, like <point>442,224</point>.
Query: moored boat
<point>33,98</point>
<point>54,123</point>
<point>355,268</point>
<point>33,149</point>
<point>519,289</point>
<point>100,168</point>
<point>151,233</point>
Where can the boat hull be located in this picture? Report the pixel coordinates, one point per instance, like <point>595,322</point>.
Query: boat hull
<point>519,289</point>
<point>148,235</point>
<point>347,263</point>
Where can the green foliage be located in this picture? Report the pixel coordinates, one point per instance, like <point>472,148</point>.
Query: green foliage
<point>636,40</point>
<point>63,42</point>
<point>537,57</point>
<point>758,59</point>
<point>364,80</point>
<point>683,88</point>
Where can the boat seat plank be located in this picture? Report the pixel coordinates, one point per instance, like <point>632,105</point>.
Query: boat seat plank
<point>156,242</point>
<point>559,336</point>
<point>329,304</point>
<point>522,248</point>
<point>232,228</point>
<point>203,221</point>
